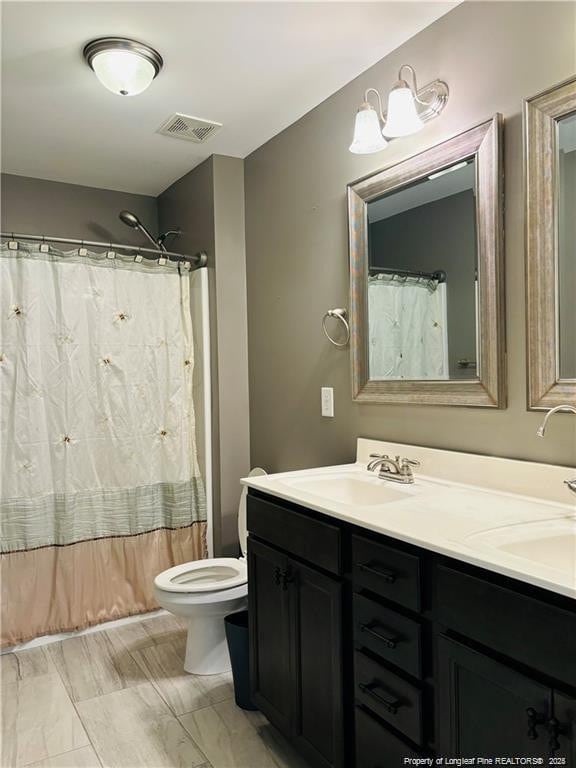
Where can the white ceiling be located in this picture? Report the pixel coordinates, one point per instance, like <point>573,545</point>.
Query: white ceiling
<point>255,67</point>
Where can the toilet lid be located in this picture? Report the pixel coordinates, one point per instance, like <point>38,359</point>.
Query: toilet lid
<point>242,530</point>
<point>203,575</point>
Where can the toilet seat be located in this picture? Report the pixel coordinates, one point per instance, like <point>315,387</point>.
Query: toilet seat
<point>215,575</point>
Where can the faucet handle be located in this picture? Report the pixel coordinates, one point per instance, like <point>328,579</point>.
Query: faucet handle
<point>406,466</point>
<point>376,459</point>
<point>571,484</point>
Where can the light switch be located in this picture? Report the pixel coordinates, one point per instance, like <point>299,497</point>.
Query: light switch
<point>327,397</point>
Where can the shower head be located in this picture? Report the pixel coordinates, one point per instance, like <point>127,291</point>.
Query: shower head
<point>131,220</point>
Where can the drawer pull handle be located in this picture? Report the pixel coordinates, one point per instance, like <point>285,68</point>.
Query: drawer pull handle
<point>389,706</point>
<point>383,573</point>
<point>389,642</point>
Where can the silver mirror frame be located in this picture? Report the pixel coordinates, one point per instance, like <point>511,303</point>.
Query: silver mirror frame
<point>484,143</point>
<point>541,115</point>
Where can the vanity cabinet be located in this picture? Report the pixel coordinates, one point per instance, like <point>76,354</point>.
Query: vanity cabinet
<point>489,708</point>
<point>366,651</point>
<point>296,644</point>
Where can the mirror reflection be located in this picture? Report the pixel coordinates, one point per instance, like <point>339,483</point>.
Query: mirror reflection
<point>567,246</point>
<point>422,291</point>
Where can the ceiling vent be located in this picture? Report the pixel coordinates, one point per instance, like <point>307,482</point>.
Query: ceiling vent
<point>189,128</point>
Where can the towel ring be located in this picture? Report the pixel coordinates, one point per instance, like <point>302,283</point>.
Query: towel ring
<point>341,315</point>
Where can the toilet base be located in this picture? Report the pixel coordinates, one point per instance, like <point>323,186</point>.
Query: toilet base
<point>206,647</point>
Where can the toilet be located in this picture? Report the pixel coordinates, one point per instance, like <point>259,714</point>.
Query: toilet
<point>204,592</point>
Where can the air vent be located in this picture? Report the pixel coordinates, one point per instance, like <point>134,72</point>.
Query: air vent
<point>189,128</point>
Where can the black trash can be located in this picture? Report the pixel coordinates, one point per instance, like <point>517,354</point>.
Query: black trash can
<point>236,626</point>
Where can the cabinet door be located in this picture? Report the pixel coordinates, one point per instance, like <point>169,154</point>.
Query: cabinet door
<point>270,666</point>
<point>565,715</point>
<point>483,706</point>
<point>318,722</point>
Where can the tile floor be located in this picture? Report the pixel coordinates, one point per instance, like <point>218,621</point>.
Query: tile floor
<point>119,698</point>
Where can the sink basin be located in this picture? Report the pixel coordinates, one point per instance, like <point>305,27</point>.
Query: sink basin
<point>551,543</point>
<point>353,489</point>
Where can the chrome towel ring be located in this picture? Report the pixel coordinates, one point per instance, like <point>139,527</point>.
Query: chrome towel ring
<point>342,315</point>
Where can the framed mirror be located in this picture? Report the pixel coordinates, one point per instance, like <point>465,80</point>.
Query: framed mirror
<point>427,306</point>
<point>550,194</point>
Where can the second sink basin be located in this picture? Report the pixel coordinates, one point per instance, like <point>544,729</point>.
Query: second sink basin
<point>551,543</point>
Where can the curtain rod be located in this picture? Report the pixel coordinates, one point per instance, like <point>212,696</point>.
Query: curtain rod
<point>197,261</point>
<point>439,275</point>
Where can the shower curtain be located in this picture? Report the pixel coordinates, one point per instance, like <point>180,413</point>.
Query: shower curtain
<point>408,336</point>
<point>100,488</point>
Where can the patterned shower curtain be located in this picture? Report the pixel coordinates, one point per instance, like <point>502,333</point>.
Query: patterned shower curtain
<point>100,488</point>
<point>408,328</point>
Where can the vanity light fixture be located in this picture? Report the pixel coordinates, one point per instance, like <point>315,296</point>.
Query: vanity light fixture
<point>123,66</point>
<point>408,109</point>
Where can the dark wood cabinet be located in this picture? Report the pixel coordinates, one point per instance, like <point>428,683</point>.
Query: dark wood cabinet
<point>434,658</point>
<point>485,707</point>
<point>317,649</point>
<point>270,624</point>
<point>489,709</point>
<point>296,655</point>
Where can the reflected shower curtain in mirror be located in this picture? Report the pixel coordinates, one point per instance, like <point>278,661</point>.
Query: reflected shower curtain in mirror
<point>408,334</point>
<point>100,485</point>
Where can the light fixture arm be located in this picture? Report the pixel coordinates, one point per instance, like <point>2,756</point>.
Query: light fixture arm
<point>414,86</point>
<point>367,101</point>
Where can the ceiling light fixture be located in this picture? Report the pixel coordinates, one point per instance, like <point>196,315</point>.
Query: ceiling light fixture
<point>408,109</point>
<point>123,66</point>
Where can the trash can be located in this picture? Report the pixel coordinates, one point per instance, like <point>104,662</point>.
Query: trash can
<point>236,626</point>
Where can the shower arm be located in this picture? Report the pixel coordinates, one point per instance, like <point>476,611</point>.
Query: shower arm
<point>158,243</point>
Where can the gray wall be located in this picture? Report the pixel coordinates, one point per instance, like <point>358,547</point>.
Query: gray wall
<point>208,204</point>
<point>492,55</point>
<point>438,235</point>
<point>39,207</point>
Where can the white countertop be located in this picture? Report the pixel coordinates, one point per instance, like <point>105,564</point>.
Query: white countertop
<point>521,536</point>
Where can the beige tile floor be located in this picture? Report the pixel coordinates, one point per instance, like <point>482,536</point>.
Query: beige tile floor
<point>120,698</point>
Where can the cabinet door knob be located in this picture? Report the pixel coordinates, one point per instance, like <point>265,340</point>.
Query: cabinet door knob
<point>534,719</point>
<point>555,729</point>
<point>277,575</point>
<point>287,578</point>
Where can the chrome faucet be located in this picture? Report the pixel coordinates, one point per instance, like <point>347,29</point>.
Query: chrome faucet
<point>565,408</point>
<point>396,470</point>
<point>542,429</point>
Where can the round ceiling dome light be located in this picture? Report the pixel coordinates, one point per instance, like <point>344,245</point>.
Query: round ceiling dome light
<point>123,66</point>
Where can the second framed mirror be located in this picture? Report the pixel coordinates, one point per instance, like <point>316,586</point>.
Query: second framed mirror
<point>427,310</point>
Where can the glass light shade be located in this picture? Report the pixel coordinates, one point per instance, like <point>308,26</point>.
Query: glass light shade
<point>367,133</point>
<point>402,118</point>
<point>126,73</point>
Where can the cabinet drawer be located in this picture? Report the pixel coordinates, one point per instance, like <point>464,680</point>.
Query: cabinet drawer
<point>387,634</point>
<point>376,746</point>
<point>307,538</point>
<point>389,696</point>
<point>524,628</point>
<point>386,571</point>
